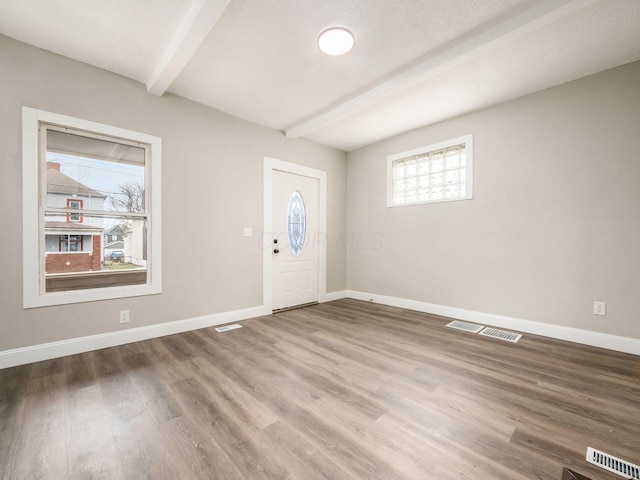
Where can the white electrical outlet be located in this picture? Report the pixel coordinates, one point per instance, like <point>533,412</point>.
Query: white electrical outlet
<point>599,308</point>
<point>248,231</point>
<point>124,316</point>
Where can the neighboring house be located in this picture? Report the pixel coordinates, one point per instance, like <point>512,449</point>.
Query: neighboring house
<point>115,234</point>
<point>136,249</point>
<point>72,243</point>
<point>113,239</point>
<point>128,238</point>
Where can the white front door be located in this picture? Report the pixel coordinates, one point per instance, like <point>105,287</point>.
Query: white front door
<point>295,248</point>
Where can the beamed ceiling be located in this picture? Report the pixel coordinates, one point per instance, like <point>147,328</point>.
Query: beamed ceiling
<point>415,62</point>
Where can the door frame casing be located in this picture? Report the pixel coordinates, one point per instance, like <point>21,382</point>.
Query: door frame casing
<point>271,165</point>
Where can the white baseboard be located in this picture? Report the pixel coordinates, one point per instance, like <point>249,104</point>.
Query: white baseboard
<point>46,351</point>
<point>576,335</point>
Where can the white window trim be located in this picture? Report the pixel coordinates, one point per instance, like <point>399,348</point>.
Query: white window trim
<point>466,139</point>
<point>32,257</point>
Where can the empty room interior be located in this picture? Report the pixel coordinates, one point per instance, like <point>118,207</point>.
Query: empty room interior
<point>262,239</point>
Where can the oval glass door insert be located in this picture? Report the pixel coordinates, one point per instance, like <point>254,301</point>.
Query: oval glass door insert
<point>296,223</point>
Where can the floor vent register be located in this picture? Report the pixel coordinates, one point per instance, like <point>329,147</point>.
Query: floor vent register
<point>467,327</point>
<point>486,331</point>
<point>501,334</point>
<point>226,328</point>
<point>613,464</point>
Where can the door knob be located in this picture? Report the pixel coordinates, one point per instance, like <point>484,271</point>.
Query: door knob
<point>275,250</point>
<point>275,240</point>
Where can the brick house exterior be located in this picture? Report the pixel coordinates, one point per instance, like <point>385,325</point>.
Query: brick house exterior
<point>75,262</point>
<point>72,243</point>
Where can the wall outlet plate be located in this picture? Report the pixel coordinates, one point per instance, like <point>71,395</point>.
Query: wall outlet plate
<point>599,308</point>
<point>124,316</point>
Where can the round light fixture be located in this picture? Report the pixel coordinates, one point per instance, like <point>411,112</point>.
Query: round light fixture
<point>335,41</point>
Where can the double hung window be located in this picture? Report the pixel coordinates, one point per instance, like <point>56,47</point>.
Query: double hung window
<point>80,180</point>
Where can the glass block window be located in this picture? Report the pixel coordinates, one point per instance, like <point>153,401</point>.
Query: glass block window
<point>296,223</point>
<point>436,173</point>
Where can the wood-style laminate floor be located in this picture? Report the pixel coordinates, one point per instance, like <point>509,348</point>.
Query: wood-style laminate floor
<point>343,390</point>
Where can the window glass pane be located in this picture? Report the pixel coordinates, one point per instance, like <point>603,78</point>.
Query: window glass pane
<point>437,163</point>
<point>452,176</point>
<point>100,175</point>
<point>296,223</point>
<point>82,256</point>
<point>452,191</point>
<point>105,180</point>
<point>411,168</point>
<point>453,160</point>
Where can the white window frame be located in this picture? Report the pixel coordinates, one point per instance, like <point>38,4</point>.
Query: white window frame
<point>33,258</point>
<point>466,139</point>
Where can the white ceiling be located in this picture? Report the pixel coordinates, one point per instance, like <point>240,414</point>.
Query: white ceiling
<point>415,62</point>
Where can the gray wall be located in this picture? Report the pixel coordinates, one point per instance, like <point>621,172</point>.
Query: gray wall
<point>554,223</point>
<point>212,188</point>
<point>552,227</point>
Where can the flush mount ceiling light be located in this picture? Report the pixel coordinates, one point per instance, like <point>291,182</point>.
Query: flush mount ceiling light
<point>335,41</point>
